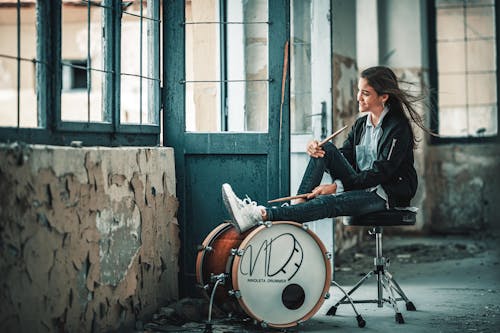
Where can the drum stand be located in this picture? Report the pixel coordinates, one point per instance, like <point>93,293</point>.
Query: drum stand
<point>219,279</point>
<point>359,318</point>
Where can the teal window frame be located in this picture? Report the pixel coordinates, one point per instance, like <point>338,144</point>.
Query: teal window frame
<point>51,129</point>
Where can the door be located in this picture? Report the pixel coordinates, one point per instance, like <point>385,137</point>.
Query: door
<point>226,110</point>
<point>310,92</point>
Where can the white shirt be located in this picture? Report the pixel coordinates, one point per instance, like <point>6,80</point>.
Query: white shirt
<point>366,151</point>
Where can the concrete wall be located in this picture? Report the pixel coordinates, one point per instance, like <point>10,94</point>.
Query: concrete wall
<point>464,188</point>
<point>88,237</point>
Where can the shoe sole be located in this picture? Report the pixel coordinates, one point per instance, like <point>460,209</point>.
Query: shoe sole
<point>229,207</point>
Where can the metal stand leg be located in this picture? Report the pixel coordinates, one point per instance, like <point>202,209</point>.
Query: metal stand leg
<point>360,282</point>
<point>219,279</point>
<point>385,281</point>
<point>409,304</point>
<point>333,309</point>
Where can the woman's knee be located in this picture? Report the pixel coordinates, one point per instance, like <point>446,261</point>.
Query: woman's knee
<point>330,150</point>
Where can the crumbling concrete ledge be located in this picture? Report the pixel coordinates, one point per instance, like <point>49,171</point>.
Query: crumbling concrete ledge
<point>89,239</point>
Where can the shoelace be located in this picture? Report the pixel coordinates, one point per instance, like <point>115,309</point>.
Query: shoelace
<point>248,201</point>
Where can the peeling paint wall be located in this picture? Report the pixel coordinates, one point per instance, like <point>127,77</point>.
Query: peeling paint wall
<point>464,188</point>
<point>345,112</point>
<point>88,237</point>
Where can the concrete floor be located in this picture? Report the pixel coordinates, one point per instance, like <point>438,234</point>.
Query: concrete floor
<point>453,282</point>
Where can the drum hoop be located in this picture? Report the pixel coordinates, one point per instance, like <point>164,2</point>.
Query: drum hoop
<point>200,258</point>
<point>326,287</point>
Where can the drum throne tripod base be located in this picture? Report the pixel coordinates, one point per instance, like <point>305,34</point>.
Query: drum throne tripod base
<point>385,280</point>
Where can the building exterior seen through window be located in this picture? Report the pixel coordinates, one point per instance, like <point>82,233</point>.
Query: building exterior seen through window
<point>74,75</point>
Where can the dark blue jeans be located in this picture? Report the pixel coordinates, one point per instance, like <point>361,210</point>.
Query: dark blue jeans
<point>324,206</point>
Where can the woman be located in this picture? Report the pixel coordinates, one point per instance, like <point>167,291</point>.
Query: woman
<point>372,171</point>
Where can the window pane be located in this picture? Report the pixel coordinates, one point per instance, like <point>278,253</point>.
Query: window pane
<point>453,121</point>
<point>452,90</point>
<point>300,68</point>
<point>8,88</point>
<point>254,108</point>
<point>139,95</point>
<point>202,105</point>
<point>480,22</point>
<point>481,88</point>
<point>450,23</point>
<point>451,57</point>
<point>82,62</point>
<point>226,66</point>
<point>247,50</point>
<point>481,55</point>
<point>203,110</point>
<point>18,84</point>
<point>483,120</point>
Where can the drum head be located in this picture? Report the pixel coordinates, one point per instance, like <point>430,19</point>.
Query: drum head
<point>282,274</point>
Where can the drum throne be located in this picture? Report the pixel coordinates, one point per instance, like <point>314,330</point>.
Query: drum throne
<point>385,281</point>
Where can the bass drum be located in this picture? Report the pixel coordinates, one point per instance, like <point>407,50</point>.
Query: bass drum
<point>213,259</point>
<point>282,274</point>
<point>279,273</point>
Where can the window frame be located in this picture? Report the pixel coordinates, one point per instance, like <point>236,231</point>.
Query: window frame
<point>52,129</point>
<point>434,84</point>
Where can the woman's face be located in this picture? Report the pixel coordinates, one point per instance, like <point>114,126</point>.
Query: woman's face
<point>368,99</point>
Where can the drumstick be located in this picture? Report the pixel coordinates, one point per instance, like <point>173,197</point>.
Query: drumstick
<point>302,196</point>
<point>332,136</point>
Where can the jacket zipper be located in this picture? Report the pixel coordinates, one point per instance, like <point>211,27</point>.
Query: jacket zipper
<point>392,147</point>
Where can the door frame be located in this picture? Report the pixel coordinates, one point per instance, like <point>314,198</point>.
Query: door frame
<point>275,144</point>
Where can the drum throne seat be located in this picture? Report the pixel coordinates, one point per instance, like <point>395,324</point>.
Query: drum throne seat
<point>385,281</point>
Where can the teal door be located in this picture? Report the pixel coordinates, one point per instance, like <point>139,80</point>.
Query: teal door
<point>226,110</point>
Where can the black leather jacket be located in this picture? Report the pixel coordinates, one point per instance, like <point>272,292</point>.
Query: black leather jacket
<point>393,168</point>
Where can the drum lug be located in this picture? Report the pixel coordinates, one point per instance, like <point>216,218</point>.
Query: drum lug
<point>327,296</point>
<point>268,224</point>
<point>205,248</point>
<point>220,277</point>
<point>305,227</point>
<point>235,293</point>
<point>328,255</point>
<point>238,252</point>
<point>263,324</point>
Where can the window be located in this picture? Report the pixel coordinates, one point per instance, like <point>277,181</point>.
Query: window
<point>227,72</point>
<point>466,69</point>
<point>74,75</point>
<point>95,80</point>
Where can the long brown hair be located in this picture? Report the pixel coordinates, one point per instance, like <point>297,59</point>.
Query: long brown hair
<point>383,80</point>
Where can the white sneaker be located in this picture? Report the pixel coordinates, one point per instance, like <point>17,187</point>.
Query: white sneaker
<point>244,213</point>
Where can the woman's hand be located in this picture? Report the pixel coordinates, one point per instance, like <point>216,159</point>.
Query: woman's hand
<point>323,190</point>
<point>314,150</point>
